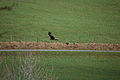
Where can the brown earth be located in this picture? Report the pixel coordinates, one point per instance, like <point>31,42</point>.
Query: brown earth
<point>58,45</point>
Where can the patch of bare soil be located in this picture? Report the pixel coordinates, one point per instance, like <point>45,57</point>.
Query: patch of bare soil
<point>58,45</point>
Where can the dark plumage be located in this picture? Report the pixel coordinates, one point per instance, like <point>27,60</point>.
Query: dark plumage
<point>51,36</point>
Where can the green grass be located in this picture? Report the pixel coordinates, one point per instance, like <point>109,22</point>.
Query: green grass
<point>60,65</point>
<point>84,21</point>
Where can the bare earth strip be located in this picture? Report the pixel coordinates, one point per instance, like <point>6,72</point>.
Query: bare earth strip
<point>58,45</point>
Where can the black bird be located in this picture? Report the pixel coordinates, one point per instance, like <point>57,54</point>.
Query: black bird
<point>51,36</point>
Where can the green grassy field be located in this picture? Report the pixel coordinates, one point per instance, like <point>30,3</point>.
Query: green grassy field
<point>59,66</point>
<point>84,21</point>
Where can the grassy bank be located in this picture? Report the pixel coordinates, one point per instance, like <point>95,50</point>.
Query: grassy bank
<point>59,66</point>
<point>70,20</point>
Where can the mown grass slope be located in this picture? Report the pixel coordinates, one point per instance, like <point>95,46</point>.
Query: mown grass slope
<point>84,21</point>
<point>59,66</point>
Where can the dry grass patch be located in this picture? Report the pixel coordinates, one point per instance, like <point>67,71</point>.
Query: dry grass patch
<point>57,45</point>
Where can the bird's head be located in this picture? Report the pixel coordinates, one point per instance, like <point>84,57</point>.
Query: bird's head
<point>49,33</point>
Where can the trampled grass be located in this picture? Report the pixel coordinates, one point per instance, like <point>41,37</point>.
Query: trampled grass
<point>59,66</point>
<point>84,21</point>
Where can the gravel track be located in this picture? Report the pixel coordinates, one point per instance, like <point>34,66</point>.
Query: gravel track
<point>57,50</point>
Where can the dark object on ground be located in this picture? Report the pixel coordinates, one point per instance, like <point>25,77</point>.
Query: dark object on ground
<point>51,36</point>
<point>7,7</point>
<point>67,43</point>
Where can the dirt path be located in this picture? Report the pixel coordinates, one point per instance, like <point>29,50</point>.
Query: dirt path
<point>57,45</point>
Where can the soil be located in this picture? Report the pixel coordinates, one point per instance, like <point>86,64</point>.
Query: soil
<point>58,45</point>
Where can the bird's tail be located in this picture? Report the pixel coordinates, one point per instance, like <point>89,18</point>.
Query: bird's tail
<point>56,39</point>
